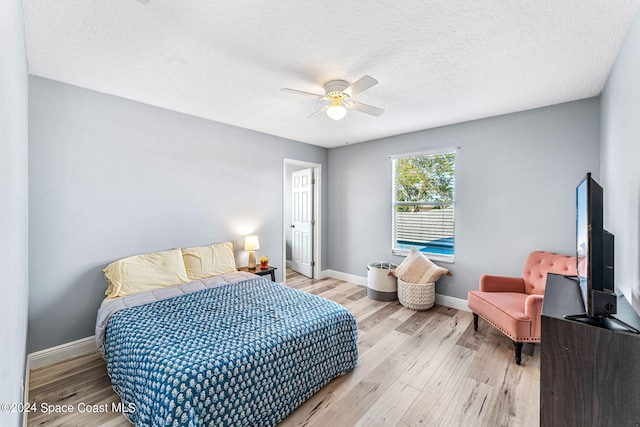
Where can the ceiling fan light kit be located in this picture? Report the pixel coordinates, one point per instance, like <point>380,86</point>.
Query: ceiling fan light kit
<point>336,110</point>
<point>337,92</point>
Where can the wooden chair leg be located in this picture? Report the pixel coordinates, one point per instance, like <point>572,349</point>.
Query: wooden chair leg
<point>518,346</point>
<point>475,322</point>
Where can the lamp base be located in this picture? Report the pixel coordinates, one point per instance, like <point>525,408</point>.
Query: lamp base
<point>252,260</point>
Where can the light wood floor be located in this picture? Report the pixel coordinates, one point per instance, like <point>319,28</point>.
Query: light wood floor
<point>415,369</point>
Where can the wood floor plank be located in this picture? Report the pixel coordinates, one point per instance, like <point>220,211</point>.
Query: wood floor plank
<point>379,316</point>
<point>355,404</point>
<point>66,368</point>
<point>349,294</point>
<point>447,311</point>
<point>470,406</point>
<point>415,321</point>
<point>440,391</point>
<point>121,421</point>
<point>319,288</point>
<point>439,345</point>
<point>403,314</point>
<point>362,307</point>
<point>426,368</point>
<point>340,293</point>
<point>82,381</point>
<point>491,354</point>
<point>519,397</point>
<point>434,329</point>
<point>359,292</point>
<point>367,339</point>
<point>390,407</point>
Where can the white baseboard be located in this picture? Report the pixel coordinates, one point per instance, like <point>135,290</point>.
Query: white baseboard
<point>69,350</point>
<point>352,278</point>
<point>452,302</point>
<point>444,300</point>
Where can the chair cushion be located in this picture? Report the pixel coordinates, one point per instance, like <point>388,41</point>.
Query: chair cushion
<point>505,311</point>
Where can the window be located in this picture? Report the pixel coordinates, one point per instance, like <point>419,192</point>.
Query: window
<point>423,204</point>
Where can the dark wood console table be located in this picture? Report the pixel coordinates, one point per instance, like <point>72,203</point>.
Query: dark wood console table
<point>589,375</point>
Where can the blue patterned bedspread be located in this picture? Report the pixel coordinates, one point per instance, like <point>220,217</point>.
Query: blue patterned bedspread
<point>247,353</point>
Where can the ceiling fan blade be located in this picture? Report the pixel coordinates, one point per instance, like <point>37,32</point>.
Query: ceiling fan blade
<point>301,92</point>
<point>315,113</point>
<point>364,108</point>
<point>360,85</point>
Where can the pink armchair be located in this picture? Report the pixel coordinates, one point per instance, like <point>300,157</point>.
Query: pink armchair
<point>513,304</point>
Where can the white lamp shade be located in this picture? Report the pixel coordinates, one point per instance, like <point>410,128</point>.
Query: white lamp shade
<point>336,112</point>
<point>251,243</point>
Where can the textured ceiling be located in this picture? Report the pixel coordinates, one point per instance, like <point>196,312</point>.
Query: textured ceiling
<point>437,62</point>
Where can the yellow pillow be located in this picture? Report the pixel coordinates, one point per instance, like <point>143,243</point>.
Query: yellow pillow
<point>145,272</point>
<point>207,261</point>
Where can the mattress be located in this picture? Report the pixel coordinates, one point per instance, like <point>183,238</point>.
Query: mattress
<point>244,353</point>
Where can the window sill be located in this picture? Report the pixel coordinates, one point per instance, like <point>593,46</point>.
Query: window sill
<point>449,259</point>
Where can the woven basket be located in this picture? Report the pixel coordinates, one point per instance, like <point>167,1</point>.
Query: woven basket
<point>416,296</point>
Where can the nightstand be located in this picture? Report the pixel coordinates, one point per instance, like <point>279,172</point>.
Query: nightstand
<point>269,270</point>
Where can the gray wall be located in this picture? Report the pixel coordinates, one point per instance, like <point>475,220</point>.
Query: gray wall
<point>620,170</point>
<point>13,206</point>
<point>109,178</point>
<point>515,191</point>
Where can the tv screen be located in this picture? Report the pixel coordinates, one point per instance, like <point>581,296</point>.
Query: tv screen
<point>582,238</point>
<point>590,248</point>
<point>595,259</point>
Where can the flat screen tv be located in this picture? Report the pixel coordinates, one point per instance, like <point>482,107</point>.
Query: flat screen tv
<point>590,250</point>
<point>594,255</point>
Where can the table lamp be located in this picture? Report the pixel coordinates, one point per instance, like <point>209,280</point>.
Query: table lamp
<point>251,244</point>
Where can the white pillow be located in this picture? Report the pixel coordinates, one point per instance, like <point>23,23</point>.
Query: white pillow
<point>417,268</point>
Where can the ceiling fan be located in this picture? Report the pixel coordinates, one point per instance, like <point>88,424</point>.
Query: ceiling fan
<point>338,95</point>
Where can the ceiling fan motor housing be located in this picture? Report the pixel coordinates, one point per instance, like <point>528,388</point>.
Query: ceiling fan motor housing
<point>334,88</point>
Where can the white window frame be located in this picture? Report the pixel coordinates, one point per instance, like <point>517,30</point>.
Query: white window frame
<point>403,252</point>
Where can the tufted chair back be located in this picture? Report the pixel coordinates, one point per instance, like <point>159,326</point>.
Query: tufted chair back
<point>540,263</point>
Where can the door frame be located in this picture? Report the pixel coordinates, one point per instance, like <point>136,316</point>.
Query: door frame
<point>316,230</point>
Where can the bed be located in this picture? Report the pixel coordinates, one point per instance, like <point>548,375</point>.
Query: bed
<point>232,349</point>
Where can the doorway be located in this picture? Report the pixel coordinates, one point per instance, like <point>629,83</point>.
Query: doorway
<point>301,217</point>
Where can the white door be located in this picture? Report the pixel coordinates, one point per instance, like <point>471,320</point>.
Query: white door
<point>302,222</point>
